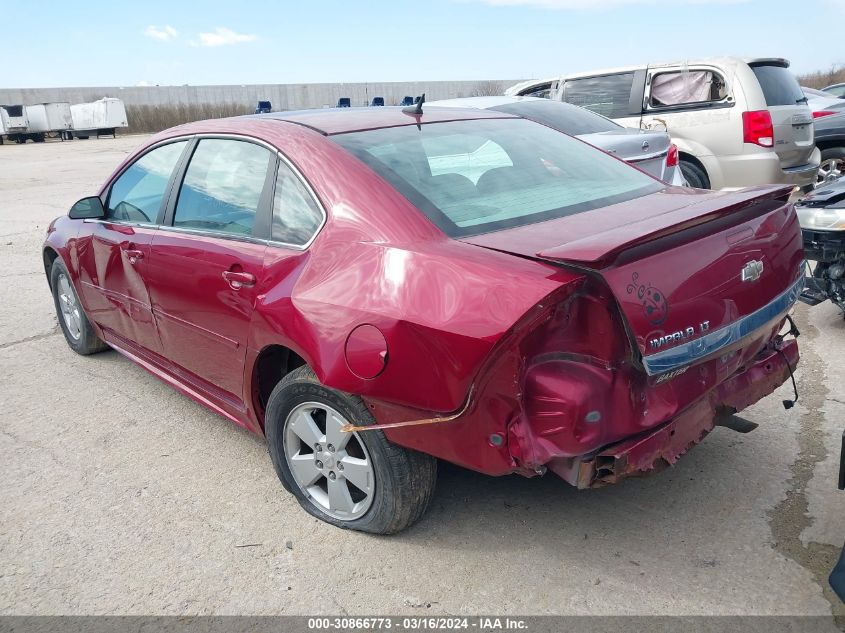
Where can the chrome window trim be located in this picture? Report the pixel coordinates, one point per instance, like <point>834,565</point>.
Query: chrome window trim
<point>237,237</point>
<point>710,344</point>
<point>296,172</point>
<point>219,234</point>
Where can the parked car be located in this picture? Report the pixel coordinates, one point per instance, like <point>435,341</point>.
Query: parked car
<point>377,101</point>
<point>837,90</point>
<point>830,139</point>
<point>407,101</point>
<point>344,102</point>
<point>263,107</point>
<point>651,151</point>
<point>822,104</point>
<point>837,576</point>
<point>541,88</point>
<point>736,122</point>
<point>373,290</point>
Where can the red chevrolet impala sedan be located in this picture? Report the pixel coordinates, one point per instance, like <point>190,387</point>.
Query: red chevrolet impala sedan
<point>376,289</point>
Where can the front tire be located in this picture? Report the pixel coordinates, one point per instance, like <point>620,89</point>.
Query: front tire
<point>832,166</point>
<point>79,333</point>
<point>358,481</point>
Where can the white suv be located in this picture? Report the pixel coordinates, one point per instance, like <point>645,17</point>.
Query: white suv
<point>736,122</point>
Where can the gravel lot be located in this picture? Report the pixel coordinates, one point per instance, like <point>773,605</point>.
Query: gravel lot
<point>121,496</point>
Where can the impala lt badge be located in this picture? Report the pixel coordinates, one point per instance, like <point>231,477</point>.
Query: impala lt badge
<point>681,335</point>
<point>752,270</point>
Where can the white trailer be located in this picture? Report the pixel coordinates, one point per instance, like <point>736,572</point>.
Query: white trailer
<point>13,123</point>
<point>98,118</point>
<point>45,118</point>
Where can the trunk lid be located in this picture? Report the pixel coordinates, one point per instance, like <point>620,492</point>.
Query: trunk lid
<point>792,119</point>
<point>694,273</point>
<point>646,150</point>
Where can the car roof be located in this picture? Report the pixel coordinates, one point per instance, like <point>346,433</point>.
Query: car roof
<point>330,121</point>
<point>702,61</point>
<point>480,102</point>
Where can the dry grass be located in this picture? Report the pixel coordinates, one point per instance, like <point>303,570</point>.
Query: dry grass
<point>487,89</point>
<point>821,78</point>
<point>148,118</point>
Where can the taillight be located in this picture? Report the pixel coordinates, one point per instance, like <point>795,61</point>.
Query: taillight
<point>821,113</point>
<point>757,128</point>
<point>672,156</point>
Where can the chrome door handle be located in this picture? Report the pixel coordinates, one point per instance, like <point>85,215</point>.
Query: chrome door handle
<point>237,279</point>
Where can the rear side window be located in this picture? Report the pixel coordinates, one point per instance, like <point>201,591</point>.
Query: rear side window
<point>608,95</point>
<point>137,194</point>
<point>686,87</point>
<point>296,215</point>
<point>779,86</point>
<point>561,116</point>
<point>222,186</point>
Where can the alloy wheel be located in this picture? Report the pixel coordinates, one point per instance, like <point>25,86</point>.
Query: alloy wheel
<point>332,468</point>
<point>69,307</point>
<point>830,170</point>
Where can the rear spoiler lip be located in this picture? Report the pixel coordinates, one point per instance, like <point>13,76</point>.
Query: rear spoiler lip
<point>715,342</point>
<point>598,251</point>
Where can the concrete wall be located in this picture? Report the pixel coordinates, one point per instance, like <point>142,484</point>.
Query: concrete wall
<point>283,96</point>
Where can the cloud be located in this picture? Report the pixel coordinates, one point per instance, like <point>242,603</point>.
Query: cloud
<point>164,33</point>
<point>222,36</point>
<point>593,4</point>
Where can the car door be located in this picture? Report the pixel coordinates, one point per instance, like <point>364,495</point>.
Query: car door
<point>114,260</point>
<point>694,104</point>
<point>207,260</point>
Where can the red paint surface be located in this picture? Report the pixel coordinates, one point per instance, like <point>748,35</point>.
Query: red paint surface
<point>543,336</point>
<point>366,351</point>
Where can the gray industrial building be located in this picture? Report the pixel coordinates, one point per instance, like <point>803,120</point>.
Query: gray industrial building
<point>282,96</point>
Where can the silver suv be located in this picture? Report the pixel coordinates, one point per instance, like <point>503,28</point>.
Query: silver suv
<point>736,122</point>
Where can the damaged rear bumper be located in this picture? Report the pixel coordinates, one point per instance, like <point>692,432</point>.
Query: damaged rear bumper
<point>664,445</point>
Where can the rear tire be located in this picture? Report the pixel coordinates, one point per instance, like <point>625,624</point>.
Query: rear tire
<point>79,333</point>
<point>395,484</point>
<point>695,175</point>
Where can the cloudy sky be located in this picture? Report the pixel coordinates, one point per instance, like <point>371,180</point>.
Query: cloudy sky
<point>175,42</point>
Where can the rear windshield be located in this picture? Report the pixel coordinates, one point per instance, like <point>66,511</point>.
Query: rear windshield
<point>779,86</point>
<point>561,116</point>
<point>479,176</point>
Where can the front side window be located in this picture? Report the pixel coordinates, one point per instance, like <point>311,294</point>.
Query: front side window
<point>222,187</point>
<point>136,196</point>
<point>296,215</point>
<point>483,175</point>
<point>608,95</point>
<point>686,87</point>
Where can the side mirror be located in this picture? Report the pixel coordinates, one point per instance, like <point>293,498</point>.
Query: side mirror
<point>87,209</point>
